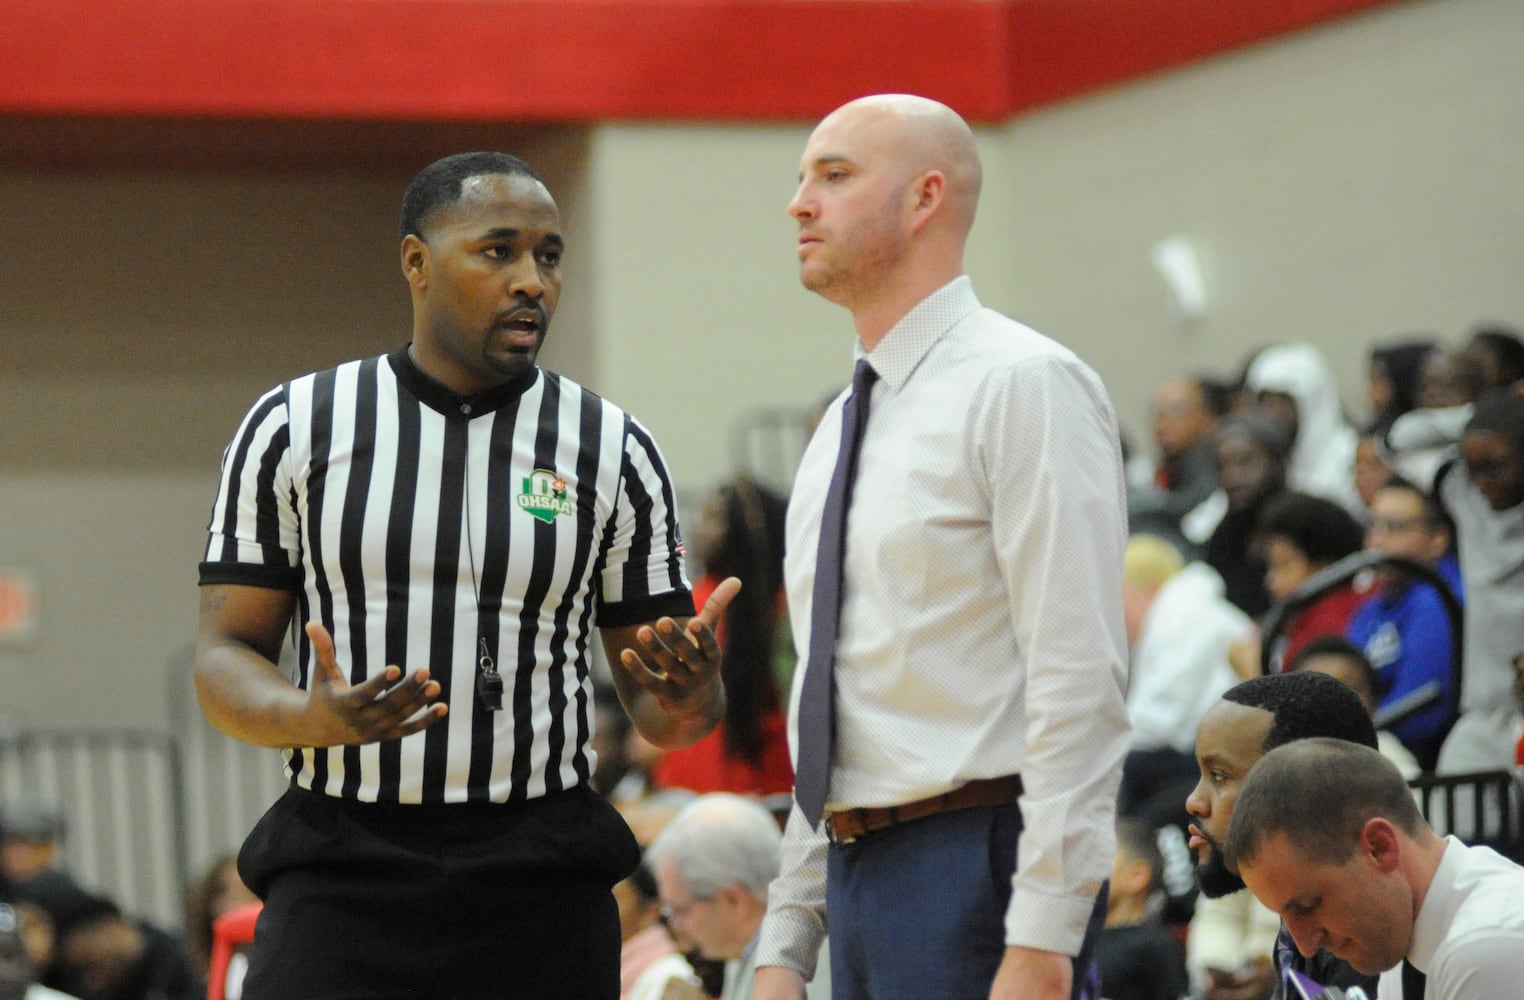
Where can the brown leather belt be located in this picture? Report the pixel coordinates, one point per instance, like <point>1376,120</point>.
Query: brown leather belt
<point>849,824</point>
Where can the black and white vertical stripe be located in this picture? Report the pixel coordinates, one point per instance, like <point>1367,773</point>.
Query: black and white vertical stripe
<point>391,508</point>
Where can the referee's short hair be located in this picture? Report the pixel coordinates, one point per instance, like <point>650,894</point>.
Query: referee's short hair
<point>440,183</point>
<point>1320,793</point>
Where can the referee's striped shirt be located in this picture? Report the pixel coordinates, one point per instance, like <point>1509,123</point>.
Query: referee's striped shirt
<point>414,523</point>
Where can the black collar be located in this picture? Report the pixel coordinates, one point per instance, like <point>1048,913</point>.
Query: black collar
<point>437,396</point>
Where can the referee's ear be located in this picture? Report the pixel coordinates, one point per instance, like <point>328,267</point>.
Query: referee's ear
<point>415,261</point>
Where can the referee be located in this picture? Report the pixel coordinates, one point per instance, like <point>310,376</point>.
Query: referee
<point>449,522</point>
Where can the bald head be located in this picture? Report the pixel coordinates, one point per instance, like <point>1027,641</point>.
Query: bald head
<point>920,135</point>
<point>888,188</point>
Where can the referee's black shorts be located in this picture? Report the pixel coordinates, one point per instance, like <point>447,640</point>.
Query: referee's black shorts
<point>476,901</point>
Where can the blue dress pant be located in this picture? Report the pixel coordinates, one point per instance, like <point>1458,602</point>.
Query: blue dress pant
<point>917,911</point>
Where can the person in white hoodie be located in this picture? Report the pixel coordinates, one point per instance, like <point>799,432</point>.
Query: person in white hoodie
<point>1179,626</point>
<point>1294,384</point>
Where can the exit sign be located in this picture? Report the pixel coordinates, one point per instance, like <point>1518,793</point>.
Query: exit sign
<point>18,606</point>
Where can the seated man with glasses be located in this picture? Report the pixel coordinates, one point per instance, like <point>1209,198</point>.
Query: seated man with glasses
<point>713,863</point>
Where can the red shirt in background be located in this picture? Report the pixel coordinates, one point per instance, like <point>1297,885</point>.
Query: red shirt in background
<point>1328,615</point>
<point>705,767</point>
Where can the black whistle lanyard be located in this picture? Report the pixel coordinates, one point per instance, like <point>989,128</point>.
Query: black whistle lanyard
<point>489,683</point>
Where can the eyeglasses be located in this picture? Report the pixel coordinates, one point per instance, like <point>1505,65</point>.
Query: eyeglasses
<point>669,911</point>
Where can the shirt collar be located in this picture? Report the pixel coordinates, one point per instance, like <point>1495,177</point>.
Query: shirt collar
<point>1434,915</point>
<point>908,341</point>
<point>437,396</point>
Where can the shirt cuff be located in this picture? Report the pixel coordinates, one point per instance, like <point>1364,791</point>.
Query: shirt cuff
<point>791,939</point>
<point>1048,923</point>
<point>251,575</point>
<point>638,611</point>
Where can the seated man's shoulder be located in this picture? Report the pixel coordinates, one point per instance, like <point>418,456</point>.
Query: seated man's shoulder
<point>1484,961</point>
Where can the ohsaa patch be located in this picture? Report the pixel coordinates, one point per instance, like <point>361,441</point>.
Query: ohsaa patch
<point>544,495</point>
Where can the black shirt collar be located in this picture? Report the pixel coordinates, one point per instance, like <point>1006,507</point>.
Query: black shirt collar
<point>438,397</point>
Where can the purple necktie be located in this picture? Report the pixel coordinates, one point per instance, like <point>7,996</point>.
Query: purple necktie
<point>817,701</point>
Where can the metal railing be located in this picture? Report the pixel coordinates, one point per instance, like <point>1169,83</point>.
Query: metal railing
<point>145,812</point>
<point>1479,807</point>
<point>122,794</point>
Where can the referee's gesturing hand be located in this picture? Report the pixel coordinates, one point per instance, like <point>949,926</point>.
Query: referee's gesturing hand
<point>384,707</point>
<point>246,694</point>
<point>668,672</point>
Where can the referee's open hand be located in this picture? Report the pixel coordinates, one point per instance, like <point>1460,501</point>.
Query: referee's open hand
<point>679,665</point>
<point>384,707</point>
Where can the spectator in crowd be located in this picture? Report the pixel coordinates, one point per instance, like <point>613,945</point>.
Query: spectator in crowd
<point>1404,628</point>
<point>18,978</point>
<point>31,839</point>
<point>1251,452</point>
<point>32,834</point>
<point>1340,659</point>
<point>648,816</point>
<point>1139,959</point>
<point>1392,379</point>
<point>1242,399</point>
<point>38,937</point>
<point>1372,467</point>
<point>1482,490</point>
<point>1301,535</point>
<point>1420,442</point>
<point>1252,719</point>
<point>103,954</point>
<point>219,890</point>
<point>740,534</point>
<point>713,864</point>
<point>1449,378</point>
<point>1179,627</point>
<point>1185,415</point>
<point>1327,834</point>
<point>1498,352</point>
<point>1295,386</point>
<point>649,962</point>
